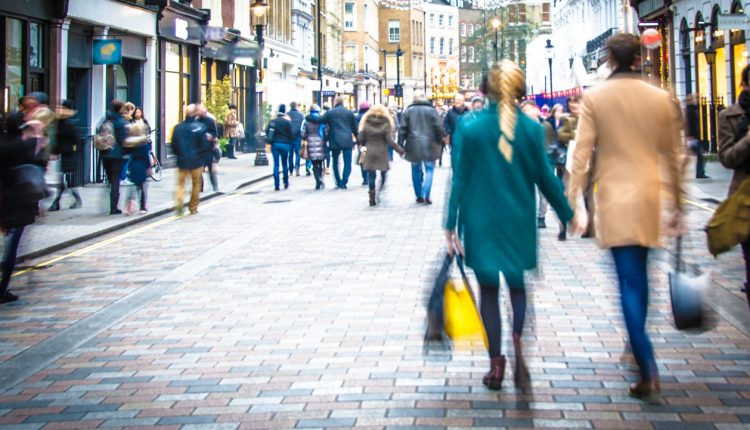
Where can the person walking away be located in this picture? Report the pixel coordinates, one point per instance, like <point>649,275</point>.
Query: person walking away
<point>281,135</point>
<point>190,144</point>
<point>421,135</point>
<point>313,133</point>
<point>342,130</point>
<point>376,135</point>
<point>693,133</point>
<point>566,125</point>
<point>138,146</point>
<point>633,148</point>
<point>112,159</point>
<point>574,107</point>
<point>296,119</point>
<point>327,107</point>
<point>17,210</point>
<point>207,119</point>
<point>231,126</point>
<point>492,199</point>
<point>450,122</point>
<point>363,108</point>
<point>68,147</point>
<point>734,147</point>
<point>532,110</point>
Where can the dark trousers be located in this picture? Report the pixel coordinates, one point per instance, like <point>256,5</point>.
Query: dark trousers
<point>632,275</point>
<point>746,256</point>
<point>280,153</point>
<point>294,155</point>
<point>700,163</point>
<point>113,167</point>
<point>317,168</point>
<point>489,307</point>
<point>371,178</point>
<point>341,181</point>
<point>12,240</point>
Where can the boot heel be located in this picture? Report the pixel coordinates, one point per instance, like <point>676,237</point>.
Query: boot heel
<point>494,378</point>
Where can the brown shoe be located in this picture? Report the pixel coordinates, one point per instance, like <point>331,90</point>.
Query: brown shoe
<point>494,378</point>
<point>521,372</point>
<point>647,391</point>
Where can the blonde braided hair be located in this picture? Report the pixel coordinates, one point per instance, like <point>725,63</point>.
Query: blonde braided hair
<point>505,84</point>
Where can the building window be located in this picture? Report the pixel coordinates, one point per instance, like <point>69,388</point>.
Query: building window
<point>432,45</point>
<point>471,30</point>
<point>545,12</point>
<point>463,54</point>
<point>450,46</point>
<point>471,54</point>
<point>440,21</point>
<point>522,12</point>
<point>442,46</point>
<point>462,29</point>
<point>394,31</point>
<point>450,21</point>
<point>13,63</point>
<point>350,58</point>
<point>349,16</point>
<point>36,45</point>
<point>512,13</point>
<point>176,84</point>
<point>432,20</point>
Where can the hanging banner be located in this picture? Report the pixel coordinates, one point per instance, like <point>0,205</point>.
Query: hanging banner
<point>107,51</point>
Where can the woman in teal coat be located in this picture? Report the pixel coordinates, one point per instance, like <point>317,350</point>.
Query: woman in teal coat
<point>499,158</point>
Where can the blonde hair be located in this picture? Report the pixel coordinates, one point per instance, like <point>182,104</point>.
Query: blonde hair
<point>505,84</point>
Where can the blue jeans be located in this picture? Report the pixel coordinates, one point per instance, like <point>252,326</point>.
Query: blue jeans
<point>632,275</point>
<point>294,155</point>
<point>280,153</point>
<point>422,179</point>
<point>371,178</point>
<point>12,240</point>
<point>347,153</point>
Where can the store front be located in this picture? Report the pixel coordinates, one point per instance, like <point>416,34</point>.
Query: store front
<point>738,53</point>
<point>24,49</point>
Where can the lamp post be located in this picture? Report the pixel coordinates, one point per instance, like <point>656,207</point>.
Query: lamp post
<point>385,71</point>
<point>258,10</point>
<point>320,54</point>
<point>549,52</point>
<point>710,54</point>
<point>496,25</point>
<point>381,75</point>
<point>399,91</point>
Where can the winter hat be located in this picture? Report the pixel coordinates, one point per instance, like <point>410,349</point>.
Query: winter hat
<point>282,109</point>
<point>38,96</point>
<point>477,99</point>
<point>364,105</point>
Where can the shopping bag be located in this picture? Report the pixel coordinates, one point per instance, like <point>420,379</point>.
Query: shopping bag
<point>303,152</point>
<point>462,321</point>
<point>730,224</point>
<point>435,317</point>
<point>686,293</point>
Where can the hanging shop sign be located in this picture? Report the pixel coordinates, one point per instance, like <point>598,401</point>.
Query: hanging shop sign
<point>107,51</point>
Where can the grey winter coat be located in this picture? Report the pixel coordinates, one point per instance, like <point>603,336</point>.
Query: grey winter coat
<point>311,133</point>
<point>341,125</point>
<point>376,134</point>
<point>421,133</point>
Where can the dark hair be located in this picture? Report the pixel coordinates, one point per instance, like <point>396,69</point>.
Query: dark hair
<point>624,50</point>
<point>746,75</point>
<point>68,104</point>
<point>232,107</point>
<point>116,105</point>
<point>293,105</point>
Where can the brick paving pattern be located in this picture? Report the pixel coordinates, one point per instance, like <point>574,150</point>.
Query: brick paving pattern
<point>305,309</point>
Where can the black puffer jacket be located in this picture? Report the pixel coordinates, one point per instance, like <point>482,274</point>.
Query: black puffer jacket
<point>283,132</point>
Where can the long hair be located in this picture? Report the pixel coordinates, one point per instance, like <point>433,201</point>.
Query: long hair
<point>506,84</point>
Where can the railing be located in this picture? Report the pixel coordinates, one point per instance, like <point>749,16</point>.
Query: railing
<point>709,116</point>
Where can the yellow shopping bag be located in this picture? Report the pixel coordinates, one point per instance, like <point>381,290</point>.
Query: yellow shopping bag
<point>462,321</point>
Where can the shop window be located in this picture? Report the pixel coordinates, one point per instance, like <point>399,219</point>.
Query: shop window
<point>13,88</point>
<point>36,45</point>
<point>176,84</point>
<point>121,89</point>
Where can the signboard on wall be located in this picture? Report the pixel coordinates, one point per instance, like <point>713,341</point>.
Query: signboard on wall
<point>107,51</point>
<point>734,21</point>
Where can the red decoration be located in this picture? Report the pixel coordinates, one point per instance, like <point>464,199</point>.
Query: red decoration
<point>651,38</point>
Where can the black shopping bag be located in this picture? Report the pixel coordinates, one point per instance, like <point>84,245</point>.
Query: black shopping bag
<point>686,293</point>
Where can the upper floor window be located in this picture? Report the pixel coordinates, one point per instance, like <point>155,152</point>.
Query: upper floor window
<point>349,16</point>
<point>394,31</point>
<point>450,20</point>
<point>462,29</point>
<point>440,20</point>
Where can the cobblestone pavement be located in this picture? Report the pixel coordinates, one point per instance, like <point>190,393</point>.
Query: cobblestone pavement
<point>305,309</point>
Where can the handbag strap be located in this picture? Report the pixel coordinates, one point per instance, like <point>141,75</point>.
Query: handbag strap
<point>679,264</point>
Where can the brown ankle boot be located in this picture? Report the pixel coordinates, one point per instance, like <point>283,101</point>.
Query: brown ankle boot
<point>372,198</point>
<point>649,391</point>
<point>520,372</point>
<point>494,378</point>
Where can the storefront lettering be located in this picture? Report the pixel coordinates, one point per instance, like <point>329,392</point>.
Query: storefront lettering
<point>735,21</point>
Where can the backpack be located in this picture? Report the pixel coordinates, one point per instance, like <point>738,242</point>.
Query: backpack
<point>104,140</point>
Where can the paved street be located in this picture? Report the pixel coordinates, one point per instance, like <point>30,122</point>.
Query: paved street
<point>305,309</point>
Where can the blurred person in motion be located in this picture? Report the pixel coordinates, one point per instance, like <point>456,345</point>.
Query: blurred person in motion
<point>492,199</point>
<point>138,147</point>
<point>734,147</point>
<point>127,113</point>
<point>296,118</point>
<point>281,136</point>
<point>363,108</point>
<point>190,144</point>
<point>450,121</point>
<point>313,133</point>
<point>342,130</point>
<point>112,159</point>
<point>632,148</point>
<point>231,131</point>
<point>68,147</point>
<point>693,134</point>
<point>565,124</point>
<point>212,130</point>
<point>477,106</point>
<point>532,111</point>
<point>421,135</point>
<point>326,107</point>
<point>23,144</point>
<point>376,135</point>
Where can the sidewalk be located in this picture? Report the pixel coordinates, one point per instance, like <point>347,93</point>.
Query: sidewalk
<point>56,230</point>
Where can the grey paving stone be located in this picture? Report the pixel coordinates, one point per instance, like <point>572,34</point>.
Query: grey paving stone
<point>48,418</point>
<point>129,422</point>
<point>104,407</point>
<point>330,422</point>
<point>191,419</point>
<point>418,412</point>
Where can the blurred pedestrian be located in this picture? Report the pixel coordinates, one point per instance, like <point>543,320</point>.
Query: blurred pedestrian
<point>565,124</point>
<point>532,110</point>
<point>17,208</point>
<point>212,130</point>
<point>313,133</point>
<point>326,107</point>
<point>68,147</point>
<point>363,108</point>
<point>492,199</point>
<point>375,137</point>
<point>421,135</point>
<point>634,128</point>
<point>693,134</point>
<point>477,104</point>
<point>127,113</point>
<point>112,159</point>
<point>734,146</point>
<point>190,144</point>
<point>450,122</point>
<point>342,130</point>
<point>138,146</point>
<point>231,126</point>
<point>296,119</point>
<point>281,136</point>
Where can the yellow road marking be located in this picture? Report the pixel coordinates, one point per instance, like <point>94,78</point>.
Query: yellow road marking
<point>138,230</point>
<point>690,202</point>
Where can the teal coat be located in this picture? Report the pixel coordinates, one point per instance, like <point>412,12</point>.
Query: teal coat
<point>494,201</point>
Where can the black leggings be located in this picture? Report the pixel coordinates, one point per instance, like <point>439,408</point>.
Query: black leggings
<point>489,307</point>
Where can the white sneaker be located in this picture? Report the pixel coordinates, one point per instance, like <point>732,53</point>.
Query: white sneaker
<point>126,181</point>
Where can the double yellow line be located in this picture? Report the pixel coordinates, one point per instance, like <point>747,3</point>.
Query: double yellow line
<point>136,231</point>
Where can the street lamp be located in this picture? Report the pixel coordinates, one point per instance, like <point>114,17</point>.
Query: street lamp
<point>710,54</point>
<point>385,72</point>
<point>381,75</point>
<point>549,53</point>
<point>258,10</point>
<point>399,90</point>
<point>648,67</point>
<point>496,25</point>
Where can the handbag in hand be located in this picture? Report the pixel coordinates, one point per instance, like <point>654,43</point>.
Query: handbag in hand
<point>303,152</point>
<point>362,155</point>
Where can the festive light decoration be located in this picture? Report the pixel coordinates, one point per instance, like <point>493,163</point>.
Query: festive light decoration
<point>651,38</point>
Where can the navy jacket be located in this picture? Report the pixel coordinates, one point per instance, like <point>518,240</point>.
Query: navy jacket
<point>190,144</point>
<point>341,125</point>
<point>296,118</point>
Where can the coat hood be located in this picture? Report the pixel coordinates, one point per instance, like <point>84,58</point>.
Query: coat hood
<point>377,116</point>
<point>314,118</point>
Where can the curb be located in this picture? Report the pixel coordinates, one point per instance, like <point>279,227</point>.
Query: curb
<point>151,215</point>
